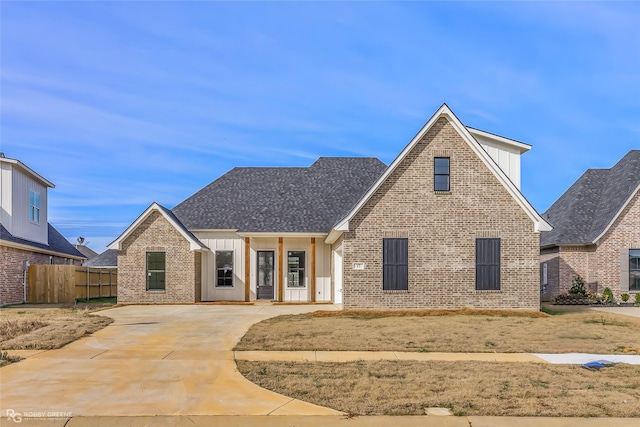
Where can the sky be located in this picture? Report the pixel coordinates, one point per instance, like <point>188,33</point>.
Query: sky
<point>124,103</point>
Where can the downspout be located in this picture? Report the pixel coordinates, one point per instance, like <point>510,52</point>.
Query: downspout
<point>24,281</point>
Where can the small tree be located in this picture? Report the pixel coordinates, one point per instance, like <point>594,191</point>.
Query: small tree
<point>577,286</point>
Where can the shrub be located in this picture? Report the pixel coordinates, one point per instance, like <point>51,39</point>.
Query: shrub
<point>624,297</point>
<point>577,286</point>
<point>607,295</point>
<point>637,299</point>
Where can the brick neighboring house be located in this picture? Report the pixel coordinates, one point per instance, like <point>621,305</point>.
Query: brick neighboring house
<point>26,237</point>
<point>444,226</point>
<point>596,232</point>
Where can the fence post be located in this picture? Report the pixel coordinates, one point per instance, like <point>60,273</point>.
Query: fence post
<point>99,283</point>
<point>87,283</point>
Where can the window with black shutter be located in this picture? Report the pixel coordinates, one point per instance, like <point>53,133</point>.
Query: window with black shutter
<point>488,264</point>
<point>395,272</point>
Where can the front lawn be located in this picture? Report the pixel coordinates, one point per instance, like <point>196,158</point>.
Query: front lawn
<point>466,388</point>
<point>44,327</point>
<point>583,332</point>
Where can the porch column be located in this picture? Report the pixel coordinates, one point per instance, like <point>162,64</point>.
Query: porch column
<point>247,268</point>
<point>280,269</point>
<point>313,269</point>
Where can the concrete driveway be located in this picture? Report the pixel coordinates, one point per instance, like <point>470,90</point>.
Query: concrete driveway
<point>153,360</point>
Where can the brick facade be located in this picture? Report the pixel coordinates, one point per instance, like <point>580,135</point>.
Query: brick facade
<point>182,266</point>
<point>12,271</point>
<point>442,229</point>
<point>599,265</point>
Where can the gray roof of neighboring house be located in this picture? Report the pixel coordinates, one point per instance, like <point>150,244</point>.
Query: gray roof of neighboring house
<point>587,208</point>
<point>108,258</point>
<point>286,199</point>
<point>57,242</point>
<point>86,251</point>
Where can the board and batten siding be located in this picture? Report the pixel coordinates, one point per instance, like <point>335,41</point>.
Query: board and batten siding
<point>222,241</point>
<point>230,241</point>
<point>15,214</point>
<point>507,158</point>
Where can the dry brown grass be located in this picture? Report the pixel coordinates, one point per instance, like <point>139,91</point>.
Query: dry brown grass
<point>467,388</point>
<point>45,327</point>
<point>441,331</point>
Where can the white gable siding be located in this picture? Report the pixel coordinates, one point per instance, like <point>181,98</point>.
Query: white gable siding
<point>506,157</point>
<point>18,214</point>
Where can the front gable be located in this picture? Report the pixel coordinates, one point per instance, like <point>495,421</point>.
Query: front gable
<point>455,137</point>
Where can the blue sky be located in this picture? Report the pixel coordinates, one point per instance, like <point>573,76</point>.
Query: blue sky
<point>123,103</point>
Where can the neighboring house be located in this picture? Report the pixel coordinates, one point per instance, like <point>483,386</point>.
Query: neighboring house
<point>444,226</point>
<point>107,259</point>
<point>86,251</point>
<point>596,232</point>
<point>26,237</point>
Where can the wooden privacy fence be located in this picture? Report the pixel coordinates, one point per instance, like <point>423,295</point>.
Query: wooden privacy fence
<point>67,283</point>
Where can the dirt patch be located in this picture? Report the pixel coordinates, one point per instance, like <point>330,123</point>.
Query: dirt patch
<point>46,327</point>
<point>585,332</point>
<point>467,388</point>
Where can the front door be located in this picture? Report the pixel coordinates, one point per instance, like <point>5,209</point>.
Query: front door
<point>265,274</point>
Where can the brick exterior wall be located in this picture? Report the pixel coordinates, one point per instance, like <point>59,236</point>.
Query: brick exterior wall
<point>599,265</point>
<point>442,229</point>
<point>12,273</point>
<point>182,266</point>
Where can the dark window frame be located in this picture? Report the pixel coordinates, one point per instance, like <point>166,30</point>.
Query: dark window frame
<point>224,279</point>
<point>439,173</point>
<point>395,264</point>
<point>156,277</point>
<point>488,260</point>
<point>634,270</point>
<point>296,276</point>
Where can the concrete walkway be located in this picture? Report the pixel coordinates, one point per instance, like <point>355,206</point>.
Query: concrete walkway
<point>352,356</point>
<point>321,421</point>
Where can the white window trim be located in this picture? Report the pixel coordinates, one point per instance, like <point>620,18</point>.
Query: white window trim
<point>36,208</point>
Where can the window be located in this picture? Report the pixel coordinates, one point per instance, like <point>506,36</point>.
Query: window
<point>155,271</point>
<point>34,206</point>
<point>487,264</point>
<point>634,269</point>
<point>441,174</point>
<point>395,267</point>
<point>224,268</point>
<point>544,274</point>
<point>295,269</point>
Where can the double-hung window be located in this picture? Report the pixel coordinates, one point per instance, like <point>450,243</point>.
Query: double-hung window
<point>34,206</point>
<point>224,268</point>
<point>155,271</point>
<point>441,174</point>
<point>487,264</point>
<point>395,265</point>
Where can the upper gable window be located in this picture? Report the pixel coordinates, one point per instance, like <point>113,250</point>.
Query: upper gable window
<point>441,174</point>
<point>34,206</point>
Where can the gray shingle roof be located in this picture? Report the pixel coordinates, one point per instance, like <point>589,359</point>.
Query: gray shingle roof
<point>57,242</point>
<point>108,258</point>
<point>291,199</point>
<point>585,210</point>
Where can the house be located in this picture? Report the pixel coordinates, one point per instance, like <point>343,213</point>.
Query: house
<point>596,232</point>
<point>444,226</point>
<point>26,237</point>
<point>86,251</point>
<point>107,259</point>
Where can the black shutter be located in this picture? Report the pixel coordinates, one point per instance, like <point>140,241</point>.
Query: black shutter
<point>395,271</point>
<point>487,264</point>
